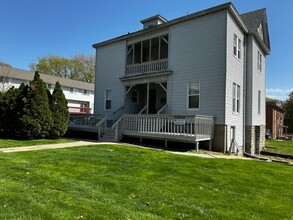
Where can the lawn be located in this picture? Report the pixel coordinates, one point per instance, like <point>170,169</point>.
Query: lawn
<point>119,182</point>
<point>280,147</point>
<point>4,143</point>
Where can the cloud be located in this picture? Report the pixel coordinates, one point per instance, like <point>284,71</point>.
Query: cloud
<point>278,93</point>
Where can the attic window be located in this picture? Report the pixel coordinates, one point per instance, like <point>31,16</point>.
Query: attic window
<point>150,25</point>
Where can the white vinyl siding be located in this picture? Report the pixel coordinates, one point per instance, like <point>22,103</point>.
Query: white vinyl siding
<point>234,76</point>
<point>195,54</point>
<point>110,67</point>
<point>236,98</point>
<point>193,95</point>
<point>237,47</point>
<point>255,83</point>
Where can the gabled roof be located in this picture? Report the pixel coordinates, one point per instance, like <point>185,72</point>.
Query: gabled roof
<point>227,6</point>
<point>29,75</point>
<point>252,21</point>
<point>248,22</point>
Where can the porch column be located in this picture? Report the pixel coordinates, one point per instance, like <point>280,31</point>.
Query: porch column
<point>148,96</point>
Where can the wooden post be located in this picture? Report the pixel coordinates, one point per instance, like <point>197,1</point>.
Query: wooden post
<point>210,145</point>
<point>166,143</point>
<point>148,96</point>
<point>197,145</point>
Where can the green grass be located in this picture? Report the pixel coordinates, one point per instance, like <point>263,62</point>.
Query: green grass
<point>4,143</point>
<point>281,147</point>
<point>119,182</point>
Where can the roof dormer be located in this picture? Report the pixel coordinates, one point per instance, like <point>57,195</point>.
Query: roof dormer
<point>153,21</point>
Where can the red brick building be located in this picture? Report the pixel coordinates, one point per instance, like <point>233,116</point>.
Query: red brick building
<point>275,119</point>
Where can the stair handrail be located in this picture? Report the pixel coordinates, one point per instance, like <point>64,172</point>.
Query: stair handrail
<point>234,142</point>
<point>162,109</point>
<point>116,127</point>
<point>142,110</point>
<point>102,124</point>
<point>118,109</point>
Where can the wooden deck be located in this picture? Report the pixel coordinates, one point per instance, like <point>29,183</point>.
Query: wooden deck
<point>88,122</point>
<point>182,128</point>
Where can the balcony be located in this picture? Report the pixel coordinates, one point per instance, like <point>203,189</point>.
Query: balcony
<point>147,67</point>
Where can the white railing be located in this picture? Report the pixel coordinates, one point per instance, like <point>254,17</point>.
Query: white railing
<point>94,122</point>
<point>174,127</point>
<point>118,131</point>
<point>162,110</point>
<point>148,67</point>
<point>234,148</point>
<point>102,127</point>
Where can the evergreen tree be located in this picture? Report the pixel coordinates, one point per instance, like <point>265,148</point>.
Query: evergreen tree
<point>35,120</point>
<point>60,114</point>
<point>7,112</point>
<point>288,106</point>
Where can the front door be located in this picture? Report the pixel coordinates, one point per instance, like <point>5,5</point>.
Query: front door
<point>152,102</point>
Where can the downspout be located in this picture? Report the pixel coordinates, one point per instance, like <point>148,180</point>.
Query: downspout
<point>244,92</point>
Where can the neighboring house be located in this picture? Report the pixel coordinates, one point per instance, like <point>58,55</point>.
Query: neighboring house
<point>207,63</point>
<point>79,95</point>
<point>275,120</point>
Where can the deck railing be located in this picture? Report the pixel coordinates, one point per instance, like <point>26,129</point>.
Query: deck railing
<point>88,122</point>
<point>148,67</point>
<point>172,127</point>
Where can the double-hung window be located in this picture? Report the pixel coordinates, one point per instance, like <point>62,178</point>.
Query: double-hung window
<point>193,95</point>
<point>108,99</point>
<point>237,47</point>
<point>259,61</point>
<point>236,98</point>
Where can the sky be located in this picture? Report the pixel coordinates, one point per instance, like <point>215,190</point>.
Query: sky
<point>35,28</point>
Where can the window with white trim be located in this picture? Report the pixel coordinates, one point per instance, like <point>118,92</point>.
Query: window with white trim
<point>236,98</point>
<point>237,47</point>
<point>259,102</point>
<point>259,61</point>
<point>108,99</point>
<point>193,94</point>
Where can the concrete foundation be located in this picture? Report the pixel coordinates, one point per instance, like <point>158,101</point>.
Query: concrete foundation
<point>254,139</point>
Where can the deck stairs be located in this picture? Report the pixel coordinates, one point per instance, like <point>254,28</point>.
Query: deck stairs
<point>109,136</point>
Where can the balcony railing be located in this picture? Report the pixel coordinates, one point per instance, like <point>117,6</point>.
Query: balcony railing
<point>79,110</point>
<point>149,67</point>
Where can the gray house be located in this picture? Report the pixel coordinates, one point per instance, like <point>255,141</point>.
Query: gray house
<point>200,77</point>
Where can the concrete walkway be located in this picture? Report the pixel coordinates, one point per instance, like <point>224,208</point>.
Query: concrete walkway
<point>50,146</point>
<point>88,143</point>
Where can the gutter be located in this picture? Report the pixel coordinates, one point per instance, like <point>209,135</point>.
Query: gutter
<point>244,91</point>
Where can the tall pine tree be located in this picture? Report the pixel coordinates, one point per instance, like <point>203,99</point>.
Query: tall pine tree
<point>36,118</point>
<point>60,114</point>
